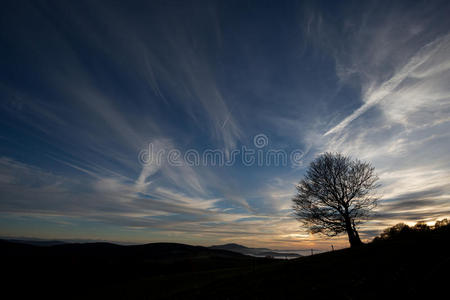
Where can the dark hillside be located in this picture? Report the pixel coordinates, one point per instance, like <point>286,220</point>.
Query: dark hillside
<point>87,268</point>
<point>413,265</point>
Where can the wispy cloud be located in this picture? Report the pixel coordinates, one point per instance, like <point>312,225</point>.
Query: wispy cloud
<point>431,60</point>
<point>403,116</point>
<point>98,82</point>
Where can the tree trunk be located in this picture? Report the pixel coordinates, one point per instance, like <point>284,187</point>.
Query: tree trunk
<point>353,236</point>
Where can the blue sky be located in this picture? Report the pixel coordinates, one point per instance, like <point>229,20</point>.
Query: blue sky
<point>86,86</point>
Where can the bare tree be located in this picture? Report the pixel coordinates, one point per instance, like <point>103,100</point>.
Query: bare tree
<point>336,195</point>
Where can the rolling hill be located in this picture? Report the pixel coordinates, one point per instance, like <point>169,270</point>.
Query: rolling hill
<point>413,267</point>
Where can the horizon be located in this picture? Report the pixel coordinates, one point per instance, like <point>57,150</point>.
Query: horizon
<point>192,122</point>
<point>25,240</point>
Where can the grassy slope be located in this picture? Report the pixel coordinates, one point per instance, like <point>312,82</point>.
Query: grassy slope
<point>405,268</point>
<point>410,268</point>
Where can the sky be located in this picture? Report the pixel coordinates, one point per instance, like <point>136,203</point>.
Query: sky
<point>127,121</point>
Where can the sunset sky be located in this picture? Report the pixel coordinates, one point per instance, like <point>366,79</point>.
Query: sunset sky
<point>87,87</point>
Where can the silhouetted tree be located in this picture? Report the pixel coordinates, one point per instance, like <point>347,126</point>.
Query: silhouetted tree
<point>394,231</point>
<point>336,195</point>
<point>421,226</point>
<point>403,231</point>
<point>441,223</point>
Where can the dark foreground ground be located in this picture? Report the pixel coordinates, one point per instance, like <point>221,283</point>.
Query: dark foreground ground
<point>410,268</point>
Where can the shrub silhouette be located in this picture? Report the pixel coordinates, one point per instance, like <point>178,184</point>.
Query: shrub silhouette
<point>394,231</point>
<point>402,230</point>
<point>421,227</point>
<point>441,224</point>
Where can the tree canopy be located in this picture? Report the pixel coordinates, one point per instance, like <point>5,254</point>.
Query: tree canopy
<point>336,195</point>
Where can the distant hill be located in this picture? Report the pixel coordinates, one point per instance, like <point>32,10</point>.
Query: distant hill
<point>43,243</point>
<point>93,268</point>
<point>153,251</point>
<point>254,251</point>
<point>231,247</point>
